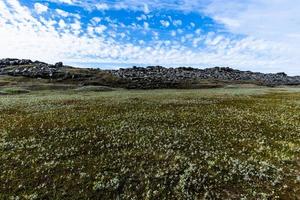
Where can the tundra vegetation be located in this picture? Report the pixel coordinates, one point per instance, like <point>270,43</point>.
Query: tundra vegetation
<point>234,143</point>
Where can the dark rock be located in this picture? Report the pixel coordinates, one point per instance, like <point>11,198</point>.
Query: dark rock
<point>13,61</point>
<point>58,65</point>
<point>282,74</point>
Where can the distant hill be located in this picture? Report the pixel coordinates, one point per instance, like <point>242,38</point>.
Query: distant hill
<point>151,77</point>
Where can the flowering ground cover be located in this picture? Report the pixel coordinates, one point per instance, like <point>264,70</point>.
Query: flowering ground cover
<point>160,144</point>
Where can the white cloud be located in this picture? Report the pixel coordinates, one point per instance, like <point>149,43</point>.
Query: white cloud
<point>165,23</point>
<point>177,22</point>
<point>62,23</point>
<point>271,21</point>
<point>66,1</point>
<point>40,8</point>
<point>100,29</point>
<point>212,41</point>
<point>198,31</point>
<point>233,23</point>
<point>173,33</point>
<point>121,5</point>
<point>76,25</point>
<point>180,31</point>
<point>196,41</point>
<point>141,42</point>
<point>123,35</point>
<point>142,17</point>
<point>95,20</point>
<point>102,6</point>
<point>62,12</point>
<point>155,35</point>
<point>146,25</point>
<point>146,9</point>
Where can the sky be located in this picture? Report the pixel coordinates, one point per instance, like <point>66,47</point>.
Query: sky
<point>256,35</point>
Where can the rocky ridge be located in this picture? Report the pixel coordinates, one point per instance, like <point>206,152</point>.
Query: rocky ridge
<point>143,78</point>
<point>155,75</point>
<point>28,68</point>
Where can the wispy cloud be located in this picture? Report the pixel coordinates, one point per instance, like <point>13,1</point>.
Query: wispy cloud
<point>40,8</point>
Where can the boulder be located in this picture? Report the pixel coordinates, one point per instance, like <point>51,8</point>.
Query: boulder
<point>59,65</point>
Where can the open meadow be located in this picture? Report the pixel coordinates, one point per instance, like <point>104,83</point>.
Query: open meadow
<point>227,143</point>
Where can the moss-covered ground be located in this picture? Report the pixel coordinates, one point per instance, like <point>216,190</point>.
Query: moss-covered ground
<point>160,144</point>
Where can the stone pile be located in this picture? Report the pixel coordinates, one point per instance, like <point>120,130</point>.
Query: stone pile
<point>11,61</point>
<point>160,75</point>
<point>28,68</point>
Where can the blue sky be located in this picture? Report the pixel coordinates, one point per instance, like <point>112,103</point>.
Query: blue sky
<point>258,35</point>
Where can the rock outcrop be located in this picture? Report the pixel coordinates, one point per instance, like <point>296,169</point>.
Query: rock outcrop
<point>37,69</point>
<point>28,68</point>
<point>156,75</point>
<point>151,77</point>
<point>57,73</point>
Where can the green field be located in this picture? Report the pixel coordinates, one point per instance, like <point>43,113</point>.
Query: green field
<point>234,143</point>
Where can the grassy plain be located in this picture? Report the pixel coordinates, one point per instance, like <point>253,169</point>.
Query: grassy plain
<point>229,143</point>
